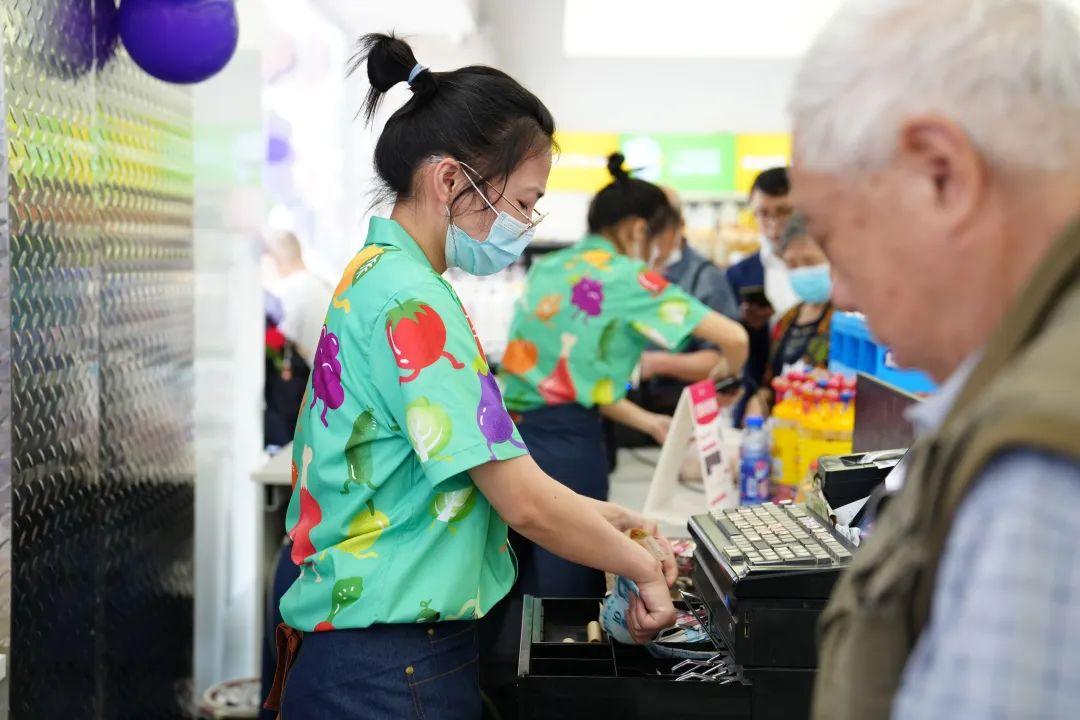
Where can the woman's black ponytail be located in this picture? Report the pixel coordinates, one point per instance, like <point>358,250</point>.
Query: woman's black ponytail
<point>627,197</point>
<point>475,114</point>
<point>615,163</point>
<point>389,61</point>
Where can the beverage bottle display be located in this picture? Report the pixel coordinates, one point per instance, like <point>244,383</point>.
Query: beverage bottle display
<point>785,432</point>
<point>755,466</point>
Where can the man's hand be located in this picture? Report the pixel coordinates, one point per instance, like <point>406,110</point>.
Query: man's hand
<point>756,316</point>
<point>650,612</point>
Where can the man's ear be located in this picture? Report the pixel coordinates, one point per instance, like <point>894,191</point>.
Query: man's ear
<point>951,175</point>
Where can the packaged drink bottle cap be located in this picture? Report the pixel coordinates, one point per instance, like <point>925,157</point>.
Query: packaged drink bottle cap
<point>755,422</point>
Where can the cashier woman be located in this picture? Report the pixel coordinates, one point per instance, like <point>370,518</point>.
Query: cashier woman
<point>407,467</point>
<point>585,317</point>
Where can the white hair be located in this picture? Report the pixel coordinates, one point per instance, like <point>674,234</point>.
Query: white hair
<point>1006,71</point>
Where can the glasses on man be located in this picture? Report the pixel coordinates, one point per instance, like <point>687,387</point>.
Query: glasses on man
<point>782,212</point>
<point>531,220</point>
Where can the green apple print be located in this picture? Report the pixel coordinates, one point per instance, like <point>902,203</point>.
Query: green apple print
<point>429,428</point>
<point>346,592</point>
<point>358,451</point>
<point>427,615</point>
<point>674,311</point>
<point>453,506</point>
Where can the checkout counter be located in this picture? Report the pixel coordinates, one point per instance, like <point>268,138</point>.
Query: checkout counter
<point>762,575</point>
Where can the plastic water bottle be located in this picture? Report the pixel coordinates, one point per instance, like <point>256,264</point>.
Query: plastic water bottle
<point>755,466</point>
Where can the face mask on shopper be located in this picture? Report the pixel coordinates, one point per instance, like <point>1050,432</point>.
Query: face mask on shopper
<point>812,284</point>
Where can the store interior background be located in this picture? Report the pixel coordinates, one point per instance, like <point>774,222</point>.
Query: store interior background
<point>273,142</point>
<point>604,69</point>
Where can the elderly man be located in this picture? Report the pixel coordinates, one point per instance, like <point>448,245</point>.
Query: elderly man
<point>937,159</point>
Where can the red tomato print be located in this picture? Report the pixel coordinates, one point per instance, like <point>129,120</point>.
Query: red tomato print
<point>417,337</point>
<point>653,282</point>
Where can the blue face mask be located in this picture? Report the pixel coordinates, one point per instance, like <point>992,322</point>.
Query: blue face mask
<point>812,284</point>
<point>505,242</point>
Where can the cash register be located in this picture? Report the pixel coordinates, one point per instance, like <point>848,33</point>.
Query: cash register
<point>762,576</point>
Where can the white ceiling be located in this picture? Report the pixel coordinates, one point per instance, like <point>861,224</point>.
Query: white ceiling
<point>762,29</point>
<point>452,19</point>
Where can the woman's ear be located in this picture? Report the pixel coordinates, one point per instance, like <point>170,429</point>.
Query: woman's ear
<point>444,180</point>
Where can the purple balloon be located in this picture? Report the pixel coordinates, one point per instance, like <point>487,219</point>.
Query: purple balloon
<point>179,41</point>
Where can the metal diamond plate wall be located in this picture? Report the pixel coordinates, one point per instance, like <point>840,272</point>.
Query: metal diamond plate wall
<point>100,211</point>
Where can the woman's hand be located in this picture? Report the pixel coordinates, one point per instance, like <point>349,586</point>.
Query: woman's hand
<point>658,427</point>
<point>759,404</point>
<point>633,519</point>
<point>650,611</point>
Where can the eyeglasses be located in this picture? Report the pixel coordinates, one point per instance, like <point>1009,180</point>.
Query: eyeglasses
<point>783,212</point>
<point>530,220</point>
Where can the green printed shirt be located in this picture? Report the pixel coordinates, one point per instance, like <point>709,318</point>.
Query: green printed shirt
<point>580,327</point>
<point>386,524</point>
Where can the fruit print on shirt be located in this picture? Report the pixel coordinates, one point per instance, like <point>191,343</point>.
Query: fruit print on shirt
<point>417,337</point>
<point>587,296</point>
<point>674,311</point>
<point>364,531</point>
<point>599,259</point>
<point>558,387</point>
<point>520,356</point>
<point>548,307</point>
<point>427,615</point>
<point>652,333</point>
<point>652,281</point>
<point>326,375</point>
<point>346,592</point>
<point>310,516</point>
<point>429,428</point>
<point>358,451</point>
<point>359,266</point>
<point>491,416</point>
<point>453,506</point>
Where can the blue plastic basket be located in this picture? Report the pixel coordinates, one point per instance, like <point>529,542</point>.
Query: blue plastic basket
<point>852,349</point>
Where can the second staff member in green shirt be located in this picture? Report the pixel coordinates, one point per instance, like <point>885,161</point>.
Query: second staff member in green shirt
<point>585,317</point>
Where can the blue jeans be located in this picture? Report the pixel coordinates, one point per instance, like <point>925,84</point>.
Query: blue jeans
<point>386,671</point>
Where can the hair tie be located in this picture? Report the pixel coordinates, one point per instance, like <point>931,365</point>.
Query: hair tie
<point>417,69</point>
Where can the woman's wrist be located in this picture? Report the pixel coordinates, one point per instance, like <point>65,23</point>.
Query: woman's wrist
<point>645,567</point>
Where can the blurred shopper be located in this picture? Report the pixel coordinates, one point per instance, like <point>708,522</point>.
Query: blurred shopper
<point>801,336</point>
<point>937,160</point>
<point>586,315</point>
<point>760,281</point>
<point>664,373</point>
<point>304,297</point>
<point>295,306</point>
<point>407,466</point>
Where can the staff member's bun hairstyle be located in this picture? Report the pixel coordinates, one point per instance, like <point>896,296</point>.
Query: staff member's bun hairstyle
<point>475,114</point>
<point>627,197</point>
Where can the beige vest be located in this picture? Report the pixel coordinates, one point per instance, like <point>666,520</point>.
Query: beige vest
<point>1025,392</point>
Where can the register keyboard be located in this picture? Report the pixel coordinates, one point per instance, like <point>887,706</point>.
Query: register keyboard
<point>765,573</point>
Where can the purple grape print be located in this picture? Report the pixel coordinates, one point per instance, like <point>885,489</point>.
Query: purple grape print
<point>587,296</point>
<point>326,375</point>
<point>491,415</point>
